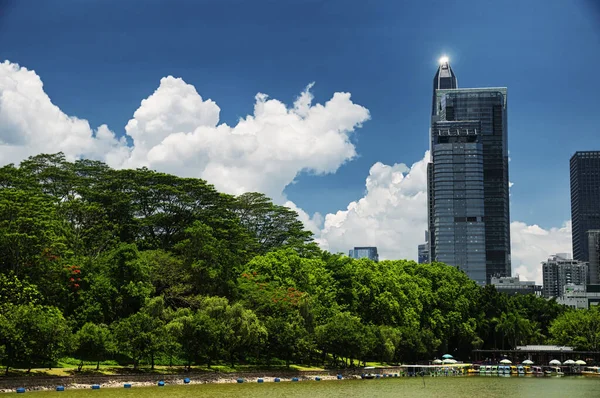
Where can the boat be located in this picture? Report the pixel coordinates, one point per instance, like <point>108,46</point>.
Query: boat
<point>494,369</point>
<point>520,370</point>
<point>591,371</point>
<point>513,370</point>
<point>368,375</point>
<point>554,371</point>
<point>528,370</point>
<point>537,370</point>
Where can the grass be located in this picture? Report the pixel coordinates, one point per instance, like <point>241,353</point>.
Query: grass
<point>66,368</point>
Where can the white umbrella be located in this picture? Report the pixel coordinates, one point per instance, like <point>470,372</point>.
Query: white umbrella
<point>569,362</point>
<point>437,361</point>
<point>448,361</point>
<point>580,362</point>
<point>527,362</point>
<point>555,362</point>
<point>506,361</point>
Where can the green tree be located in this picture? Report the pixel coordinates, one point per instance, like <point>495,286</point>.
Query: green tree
<point>578,328</point>
<point>93,343</point>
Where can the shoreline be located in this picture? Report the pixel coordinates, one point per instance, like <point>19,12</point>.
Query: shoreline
<point>46,383</point>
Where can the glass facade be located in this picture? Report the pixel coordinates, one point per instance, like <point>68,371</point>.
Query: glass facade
<point>458,191</point>
<point>468,197</point>
<point>364,252</point>
<point>585,200</point>
<point>594,254</point>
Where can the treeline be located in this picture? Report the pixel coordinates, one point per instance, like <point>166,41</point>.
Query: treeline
<point>141,266</point>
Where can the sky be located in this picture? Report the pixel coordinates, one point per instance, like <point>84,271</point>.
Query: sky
<point>321,104</point>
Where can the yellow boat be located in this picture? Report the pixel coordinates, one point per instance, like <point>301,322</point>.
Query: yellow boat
<point>591,371</point>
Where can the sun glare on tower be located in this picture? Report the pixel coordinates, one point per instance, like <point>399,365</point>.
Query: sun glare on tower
<point>444,60</point>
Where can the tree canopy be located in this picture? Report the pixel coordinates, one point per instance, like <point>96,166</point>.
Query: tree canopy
<point>145,266</point>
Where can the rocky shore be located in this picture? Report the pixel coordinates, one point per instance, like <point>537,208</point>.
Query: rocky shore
<point>41,383</point>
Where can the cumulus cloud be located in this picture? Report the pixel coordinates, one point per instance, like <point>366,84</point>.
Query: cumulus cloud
<point>30,123</point>
<point>532,244</point>
<point>175,130</point>
<point>392,215</point>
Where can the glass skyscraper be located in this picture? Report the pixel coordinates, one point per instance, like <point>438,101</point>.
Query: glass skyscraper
<point>364,252</point>
<point>585,200</point>
<point>468,201</point>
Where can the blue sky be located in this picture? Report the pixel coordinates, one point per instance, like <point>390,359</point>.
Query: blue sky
<point>99,58</point>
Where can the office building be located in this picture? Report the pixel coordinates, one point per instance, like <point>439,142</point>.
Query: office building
<point>364,252</point>
<point>580,297</point>
<point>423,250</point>
<point>513,285</point>
<point>594,255</point>
<point>585,200</point>
<point>467,177</point>
<point>561,270</point>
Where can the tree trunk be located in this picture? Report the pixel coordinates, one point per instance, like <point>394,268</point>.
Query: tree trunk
<point>152,359</point>
<point>80,366</point>
<point>98,365</point>
<point>7,368</point>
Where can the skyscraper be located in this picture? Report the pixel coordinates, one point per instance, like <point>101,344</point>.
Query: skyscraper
<point>423,250</point>
<point>585,200</point>
<point>594,254</point>
<point>364,252</point>
<point>468,200</point>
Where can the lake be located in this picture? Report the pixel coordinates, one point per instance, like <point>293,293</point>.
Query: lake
<point>446,387</point>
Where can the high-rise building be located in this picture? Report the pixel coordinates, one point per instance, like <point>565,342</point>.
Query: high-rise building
<point>559,271</point>
<point>594,255</point>
<point>423,250</point>
<point>585,200</point>
<point>364,252</point>
<point>468,201</point>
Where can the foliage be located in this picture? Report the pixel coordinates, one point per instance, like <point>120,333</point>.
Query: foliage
<point>145,266</point>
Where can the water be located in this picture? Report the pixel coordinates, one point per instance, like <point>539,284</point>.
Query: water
<point>447,387</point>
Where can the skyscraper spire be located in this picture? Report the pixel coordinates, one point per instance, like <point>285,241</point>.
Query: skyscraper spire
<point>444,79</point>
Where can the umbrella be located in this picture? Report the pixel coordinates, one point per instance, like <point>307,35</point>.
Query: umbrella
<point>569,362</point>
<point>527,362</point>
<point>580,362</point>
<point>505,361</point>
<point>555,362</point>
<point>447,356</point>
<point>448,360</point>
<point>437,361</point>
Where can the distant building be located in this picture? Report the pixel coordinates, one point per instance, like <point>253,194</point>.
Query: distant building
<point>594,255</point>
<point>559,271</point>
<point>585,200</point>
<point>364,252</point>
<point>424,250</point>
<point>580,296</point>
<point>513,285</point>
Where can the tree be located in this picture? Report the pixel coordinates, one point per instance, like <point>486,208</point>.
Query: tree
<point>33,335</point>
<point>273,226</point>
<point>93,343</point>
<point>578,328</point>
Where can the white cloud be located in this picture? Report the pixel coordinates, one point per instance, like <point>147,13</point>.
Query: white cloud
<point>392,215</point>
<point>532,244</point>
<point>175,130</point>
<point>30,123</point>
